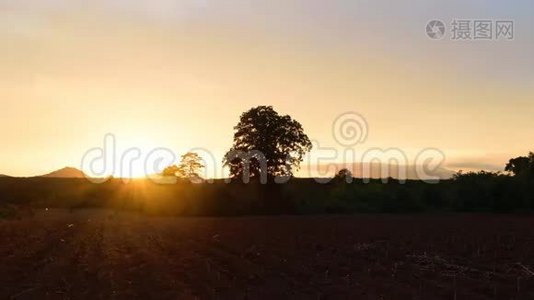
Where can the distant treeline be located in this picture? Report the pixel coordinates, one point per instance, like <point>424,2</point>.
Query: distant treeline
<point>469,192</point>
<point>267,146</point>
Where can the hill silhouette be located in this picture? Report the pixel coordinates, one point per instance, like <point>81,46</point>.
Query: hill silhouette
<point>67,172</point>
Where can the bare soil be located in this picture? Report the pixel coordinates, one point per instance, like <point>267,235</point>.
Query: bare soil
<point>103,254</point>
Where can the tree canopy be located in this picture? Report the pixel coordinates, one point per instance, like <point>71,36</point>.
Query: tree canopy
<point>521,165</point>
<point>343,175</point>
<point>266,144</point>
<point>189,167</point>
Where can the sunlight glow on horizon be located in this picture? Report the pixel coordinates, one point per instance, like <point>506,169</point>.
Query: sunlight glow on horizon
<point>177,74</point>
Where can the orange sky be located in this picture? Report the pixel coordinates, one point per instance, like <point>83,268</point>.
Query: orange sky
<point>178,75</point>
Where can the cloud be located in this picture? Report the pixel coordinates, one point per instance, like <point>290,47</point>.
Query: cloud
<point>475,166</point>
<point>375,171</point>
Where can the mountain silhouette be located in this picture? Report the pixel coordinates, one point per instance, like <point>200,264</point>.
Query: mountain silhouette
<point>67,172</point>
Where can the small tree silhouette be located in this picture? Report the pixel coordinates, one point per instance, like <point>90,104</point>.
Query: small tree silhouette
<point>170,171</point>
<point>343,175</point>
<point>190,166</point>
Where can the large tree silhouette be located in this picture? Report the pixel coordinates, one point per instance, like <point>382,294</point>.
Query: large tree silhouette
<point>266,145</point>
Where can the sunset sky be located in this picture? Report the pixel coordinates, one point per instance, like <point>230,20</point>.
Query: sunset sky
<point>178,74</point>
